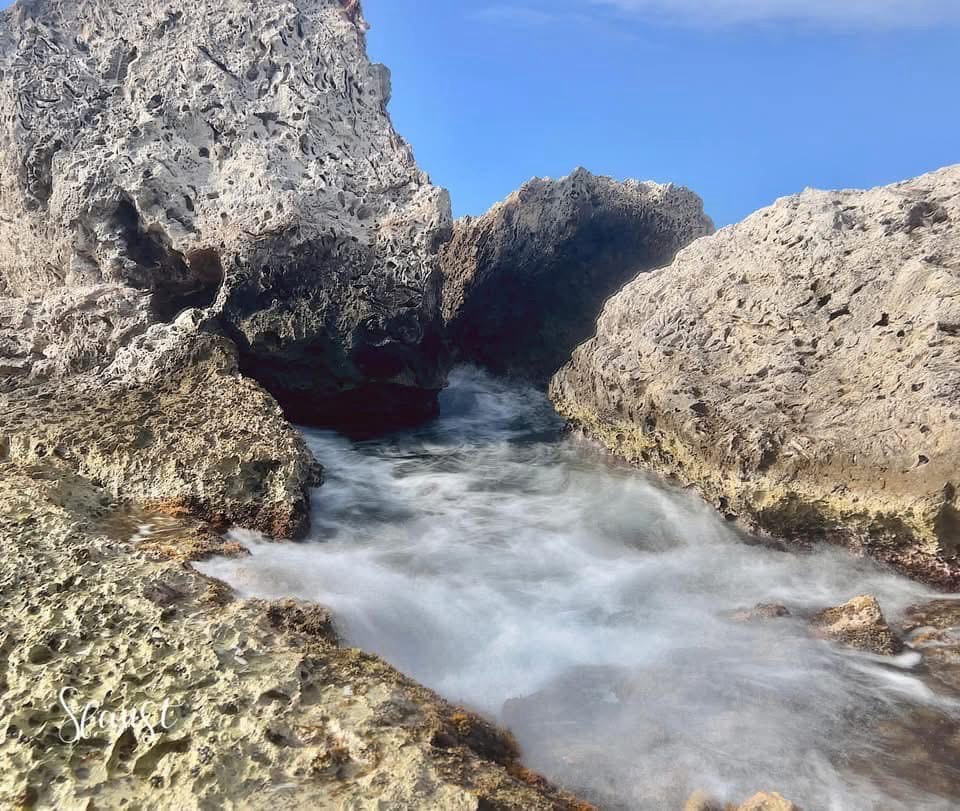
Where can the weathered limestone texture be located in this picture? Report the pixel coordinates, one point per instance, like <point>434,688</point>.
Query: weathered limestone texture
<point>801,369</point>
<point>858,623</point>
<point>229,156</point>
<point>268,710</point>
<point>194,197</point>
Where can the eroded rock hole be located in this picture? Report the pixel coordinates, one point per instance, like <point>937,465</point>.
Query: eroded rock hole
<point>199,290</point>
<point>177,282</point>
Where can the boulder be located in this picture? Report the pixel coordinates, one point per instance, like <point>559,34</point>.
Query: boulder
<point>229,158</point>
<point>524,283</point>
<point>801,369</point>
<point>860,624</point>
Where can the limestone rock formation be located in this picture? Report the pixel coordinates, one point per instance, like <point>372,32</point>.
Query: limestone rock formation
<point>802,369</point>
<point>266,710</point>
<point>194,197</point>
<point>199,437</point>
<point>524,283</point>
<point>858,623</point>
<point>232,158</point>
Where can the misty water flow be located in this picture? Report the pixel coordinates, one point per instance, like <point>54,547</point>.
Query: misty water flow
<point>584,605</point>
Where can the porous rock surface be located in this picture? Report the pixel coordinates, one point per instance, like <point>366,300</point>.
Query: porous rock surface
<point>229,156</point>
<point>267,709</point>
<point>198,437</point>
<point>195,197</point>
<point>762,801</point>
<point>801,369</point>
<point>524,283</point>
<point>858,623</point>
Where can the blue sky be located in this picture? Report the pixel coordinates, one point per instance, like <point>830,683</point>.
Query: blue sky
<point>742,100</point>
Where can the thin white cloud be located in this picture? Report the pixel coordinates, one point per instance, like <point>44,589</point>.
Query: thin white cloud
<point>835,13</point>
<point>524,15</point>
<point>570,15</point>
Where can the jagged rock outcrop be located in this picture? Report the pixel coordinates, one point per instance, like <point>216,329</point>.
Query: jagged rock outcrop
<point>198,437</point>
<point>524,283</point>
<point>802,369</point>
<point>194,197</point>
<point>234,158</point>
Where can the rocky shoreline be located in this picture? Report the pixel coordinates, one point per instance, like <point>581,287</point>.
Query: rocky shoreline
<point>209,228</point>
<point>269,709</point>
<point>801,370</point>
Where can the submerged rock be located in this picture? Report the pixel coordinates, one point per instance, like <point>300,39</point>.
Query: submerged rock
<point>801,369</point>
<point>524,283</point>
<point>940,615</point>
<point>761,611</point>
<point>702,801</point>
<point>227,157</point>
<point>860,624</point>
<point>933,629</point>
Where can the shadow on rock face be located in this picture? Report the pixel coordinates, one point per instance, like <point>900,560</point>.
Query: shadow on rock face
<point>524,283</point>
<point>335,337</point>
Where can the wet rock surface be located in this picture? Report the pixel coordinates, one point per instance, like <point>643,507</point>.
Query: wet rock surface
<point>933,629</point>
<point>801,369</point>
<point>760,612</point>
<point>266,710</point>
<point>860,624</point>
<point>524,283</point>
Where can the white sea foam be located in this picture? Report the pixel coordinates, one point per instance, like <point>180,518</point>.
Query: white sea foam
<point>583,604</point>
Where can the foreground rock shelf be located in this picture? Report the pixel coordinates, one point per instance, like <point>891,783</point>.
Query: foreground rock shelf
<point>269,710</point>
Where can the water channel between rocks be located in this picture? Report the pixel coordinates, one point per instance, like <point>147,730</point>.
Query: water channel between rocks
<point>584,605</point>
